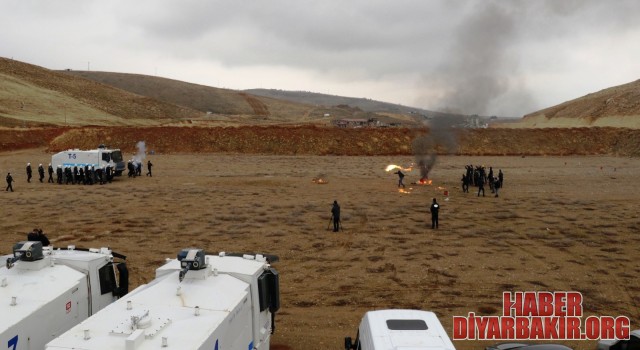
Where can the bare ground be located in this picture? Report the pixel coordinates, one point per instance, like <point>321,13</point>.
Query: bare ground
<point>561,223</point>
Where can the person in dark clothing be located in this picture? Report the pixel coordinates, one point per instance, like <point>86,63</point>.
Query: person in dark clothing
<point>496,185</point>
<point>38,236</point>
<point>500,177</point>
<point>68,175</point>
<point>9,181</point>
<point>149,165</point>
<point>50,169</point>
<point>465,183</point>
<point>481,187</point>
<point>335,214</point>
<point>139,168</point>
<point>435,207</point>
<point>59,174</point>
<point>40,172</point>
<point>131,168</point>
<point>29,172</point>
<point>109,174</point>
<point>400,178</point>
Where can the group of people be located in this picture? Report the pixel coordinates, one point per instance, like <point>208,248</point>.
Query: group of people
<point>80,175</point>
<point>134,168</point>
<point>85,175</point>
<point>479,177</point>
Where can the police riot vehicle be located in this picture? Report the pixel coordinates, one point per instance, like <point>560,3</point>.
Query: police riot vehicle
<point>101,157</point>
<point>45,291</point>
<point>197,301</point>
<point>399,329</point>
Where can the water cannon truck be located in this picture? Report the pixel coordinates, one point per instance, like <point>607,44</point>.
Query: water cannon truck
<point>197,301</point>
<point>44,291</point>
<point>98,158</point>
<point>399,329</point>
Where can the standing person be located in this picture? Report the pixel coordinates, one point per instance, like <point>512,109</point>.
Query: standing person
<point>149,165</point>
<point>59,174</point>
<point>50,169</point>
<point>496,185</point>
<point>400,178</point>
<point>481,186</point>
<point>9,181</point>
<point>29,172</point>
<point>435,207</point>
<point>335,214</point>
<point>41,172</point>
<point>465,183</point>
<point>500,177</point>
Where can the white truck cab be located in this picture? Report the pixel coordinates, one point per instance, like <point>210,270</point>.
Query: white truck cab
<point>400,329</point>
<point>45,291</point>
<point>197,301</point>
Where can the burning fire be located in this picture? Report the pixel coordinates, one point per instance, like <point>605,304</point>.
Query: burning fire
<point>319,181</point>
<point>393,166</point>
<point>402,190</point>
<point>425,182</point>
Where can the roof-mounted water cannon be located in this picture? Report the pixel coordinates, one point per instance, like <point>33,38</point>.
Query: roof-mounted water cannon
<point>191,259</point>
<point>25,251</point>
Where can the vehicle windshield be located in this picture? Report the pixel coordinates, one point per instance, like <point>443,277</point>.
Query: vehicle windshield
<point>116,156</point>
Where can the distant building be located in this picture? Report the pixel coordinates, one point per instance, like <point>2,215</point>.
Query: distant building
<point>350,123</point>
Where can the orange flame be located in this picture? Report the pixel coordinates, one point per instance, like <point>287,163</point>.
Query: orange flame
<point>319,181</point>
<point>393,166</point>
<point>425,182</point>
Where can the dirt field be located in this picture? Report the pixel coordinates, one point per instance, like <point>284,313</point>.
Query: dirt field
<point>561,223</point>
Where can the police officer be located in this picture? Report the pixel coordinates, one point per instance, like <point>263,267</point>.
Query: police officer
<point>435,207</point>
<point>9,181</point>
<point>149,165</point>
<point>50,169</point>
<point>41,172</point>
<point>59,175</point>
<point>29,172</point>
<point>335,213</point>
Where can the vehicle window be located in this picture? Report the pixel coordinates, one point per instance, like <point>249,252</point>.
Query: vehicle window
<point>407,325</point>
<point>107,279</point>
<point>116,156</point>
<point>106,157</point>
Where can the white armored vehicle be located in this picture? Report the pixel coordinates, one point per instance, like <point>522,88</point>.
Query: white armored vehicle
<point>44,292</point>
<point>197,301</point>
<point>98,158</point>
<point>400,329</point>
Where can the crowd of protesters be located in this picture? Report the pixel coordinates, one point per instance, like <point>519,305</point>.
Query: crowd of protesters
<point>479,177</point>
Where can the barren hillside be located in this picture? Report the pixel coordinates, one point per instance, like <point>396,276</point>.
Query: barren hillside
<point>220,103</point>
<point>618,106</point>
<point>33,96</point>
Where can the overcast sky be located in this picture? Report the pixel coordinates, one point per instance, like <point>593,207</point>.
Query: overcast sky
<point>504,58</point>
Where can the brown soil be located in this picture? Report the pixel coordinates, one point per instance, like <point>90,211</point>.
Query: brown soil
<point>315,140</point>
<point>560,223</point>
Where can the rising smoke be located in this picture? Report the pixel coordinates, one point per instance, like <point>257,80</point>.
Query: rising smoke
<point>481,65</point>
<point>141,152</point>
<point>441,138</point>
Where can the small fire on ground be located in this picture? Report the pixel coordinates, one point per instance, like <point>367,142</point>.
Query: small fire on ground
<point>319,181</point>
